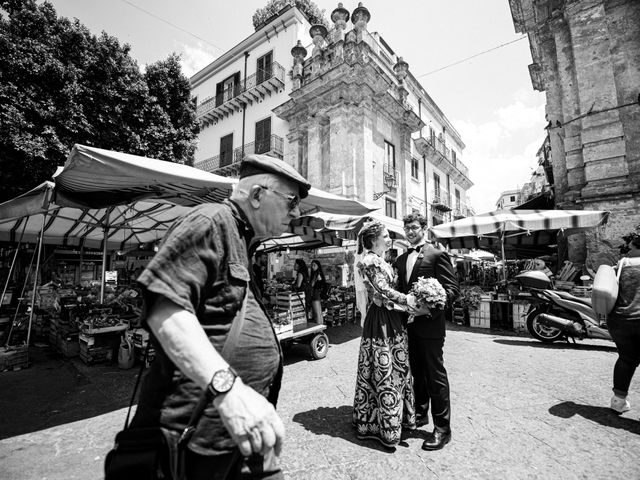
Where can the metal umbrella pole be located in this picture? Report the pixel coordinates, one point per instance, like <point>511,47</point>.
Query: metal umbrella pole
<point>35,282</point>
<point>105,229</point>
<point>504,257</point>
<point>13,263</point>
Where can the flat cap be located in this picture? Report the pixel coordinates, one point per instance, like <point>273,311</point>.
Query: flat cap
<point>258,164</point>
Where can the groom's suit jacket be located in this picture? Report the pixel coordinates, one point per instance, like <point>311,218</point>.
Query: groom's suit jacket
<point>434,263</point>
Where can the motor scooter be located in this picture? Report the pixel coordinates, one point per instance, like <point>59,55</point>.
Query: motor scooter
<point>555,315</point>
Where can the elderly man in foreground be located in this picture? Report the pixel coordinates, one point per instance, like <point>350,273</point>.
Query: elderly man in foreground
<point>195,287</point>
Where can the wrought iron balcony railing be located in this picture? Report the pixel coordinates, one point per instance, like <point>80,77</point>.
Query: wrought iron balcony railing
<point>272,145</point>
<point>441,200</point>
<point>247,91</point>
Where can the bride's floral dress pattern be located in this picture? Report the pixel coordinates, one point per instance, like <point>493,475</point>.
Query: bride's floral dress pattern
<point>384,400</point>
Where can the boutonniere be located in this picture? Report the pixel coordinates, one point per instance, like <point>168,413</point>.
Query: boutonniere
<point>420,256</point>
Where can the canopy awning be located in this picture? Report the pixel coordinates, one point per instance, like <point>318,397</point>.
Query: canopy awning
<point>95,178</point>
<point>128,225</point>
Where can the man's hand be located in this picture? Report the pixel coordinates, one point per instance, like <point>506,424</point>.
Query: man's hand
<point>251,420</point>
<point>422,310</point>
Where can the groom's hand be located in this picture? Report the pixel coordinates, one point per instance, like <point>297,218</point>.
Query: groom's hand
<point>422,310</point>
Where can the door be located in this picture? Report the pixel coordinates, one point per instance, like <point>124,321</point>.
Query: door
<point>263,135</point>
<point>226,150</point>
<point>263,68</point>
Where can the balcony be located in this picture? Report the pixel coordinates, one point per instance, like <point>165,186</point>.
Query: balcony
<point>228,164</point>
<point>390,177</point>
<point>255,87</point>
<point>441,200</point>
<point>460,211</point>
<point>440,156</point>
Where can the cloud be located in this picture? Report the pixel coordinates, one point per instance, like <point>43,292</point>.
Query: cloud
<point>195,58</point>
<point>501,153</point>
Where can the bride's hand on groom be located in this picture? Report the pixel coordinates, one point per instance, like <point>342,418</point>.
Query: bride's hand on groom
<point>414,309</point>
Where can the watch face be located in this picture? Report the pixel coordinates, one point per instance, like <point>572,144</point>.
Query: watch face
<point>222,381</point>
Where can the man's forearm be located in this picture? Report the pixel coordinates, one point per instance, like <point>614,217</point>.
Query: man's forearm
<point>184,341</point>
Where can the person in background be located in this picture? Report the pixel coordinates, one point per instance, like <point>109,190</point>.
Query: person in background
<point>624,322</point>
<point>301,281</point>
<point>383,403</point>
<point>260,272</point>
<point>318,286</point>
<point>195,287</point>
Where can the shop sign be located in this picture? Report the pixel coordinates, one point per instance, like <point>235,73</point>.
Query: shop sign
<point>111,276</point>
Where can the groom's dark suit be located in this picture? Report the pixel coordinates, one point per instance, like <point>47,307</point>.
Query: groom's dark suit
<point>426,335</point>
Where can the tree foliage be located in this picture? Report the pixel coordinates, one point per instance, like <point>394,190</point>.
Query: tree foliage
<point>273,7</point>
<point>61,85</point>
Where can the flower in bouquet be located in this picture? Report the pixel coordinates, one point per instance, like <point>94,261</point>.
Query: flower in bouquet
<point>429,292</point>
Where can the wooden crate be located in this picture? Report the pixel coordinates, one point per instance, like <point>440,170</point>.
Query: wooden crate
<point>14,358</point>
<point>519,313</point>
<point>481,317</point>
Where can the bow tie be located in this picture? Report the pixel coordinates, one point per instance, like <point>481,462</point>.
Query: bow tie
<point>415,249</point>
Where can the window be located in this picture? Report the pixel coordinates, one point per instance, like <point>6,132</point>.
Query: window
<point>389,157</point>
<point>448,192</point>
<point>263,136</point>
<point>454,158</point>
<point>226,150</point>
<point>432,136</point>
<point>415,168</point>
<point>390,208</point>
<point>513,198</point>
<point>436,186</point>
<point>227,89</point>
<point>457,195</point>
<point>264,68</point>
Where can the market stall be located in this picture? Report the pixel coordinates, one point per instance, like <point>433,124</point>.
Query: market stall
<point>523,233</point>
<point>114,201</point>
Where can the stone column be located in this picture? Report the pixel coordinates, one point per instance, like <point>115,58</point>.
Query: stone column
<point>292,155</point>
<point>315,151</point>
<point>603,141</point>
<point>570,107</point>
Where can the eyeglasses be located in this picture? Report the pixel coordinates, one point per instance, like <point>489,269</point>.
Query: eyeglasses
<point>411,228</point>
<point>294,200</point>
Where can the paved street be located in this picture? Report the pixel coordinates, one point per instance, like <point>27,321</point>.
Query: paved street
<point>521,409</point>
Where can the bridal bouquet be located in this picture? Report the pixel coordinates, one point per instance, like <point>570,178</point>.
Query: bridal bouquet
<point>429,292</point>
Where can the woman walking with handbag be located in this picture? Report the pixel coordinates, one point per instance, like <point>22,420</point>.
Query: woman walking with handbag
<point>624,322</point>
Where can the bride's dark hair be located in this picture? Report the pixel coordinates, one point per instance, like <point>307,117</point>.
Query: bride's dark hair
<point>368,234</point>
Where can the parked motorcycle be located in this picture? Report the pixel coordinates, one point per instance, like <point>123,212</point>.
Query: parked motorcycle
<point>555,315</point>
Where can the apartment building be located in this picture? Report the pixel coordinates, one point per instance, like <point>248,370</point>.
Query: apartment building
<point>340,106</point>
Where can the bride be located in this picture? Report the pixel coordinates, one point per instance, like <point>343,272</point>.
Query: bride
<point>384,400</point>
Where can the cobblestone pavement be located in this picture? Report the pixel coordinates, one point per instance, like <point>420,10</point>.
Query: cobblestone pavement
<point>520,409</point>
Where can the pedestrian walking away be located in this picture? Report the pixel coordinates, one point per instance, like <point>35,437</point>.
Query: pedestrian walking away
<point>624,322</point>
<point>383,402</point>
<point>194,288</point>
<point>427,332</point>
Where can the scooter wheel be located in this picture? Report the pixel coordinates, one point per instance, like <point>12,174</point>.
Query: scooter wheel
<point>542,332</point>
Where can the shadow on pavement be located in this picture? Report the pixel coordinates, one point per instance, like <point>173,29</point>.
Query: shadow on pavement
<point>336,422</point>
<point>557,345</point>
<point>602,415</point>
<point>343,333</point>
<point>55,391</point>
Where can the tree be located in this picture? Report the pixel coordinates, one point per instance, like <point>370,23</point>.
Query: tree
<point>61,85</point>
<point>273,7</point>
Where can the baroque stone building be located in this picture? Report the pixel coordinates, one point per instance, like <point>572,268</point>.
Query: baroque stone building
<point>586,58</point>
<point>340,106</point>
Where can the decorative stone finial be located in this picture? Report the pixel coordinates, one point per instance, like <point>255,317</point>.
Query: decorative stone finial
<point>360,17</point>
<point>340,16</point>
<point>298,52</point>
<point>401,68</point>
<point>318,32</point>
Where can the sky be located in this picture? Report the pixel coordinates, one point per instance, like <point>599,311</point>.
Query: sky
<point>488,99</point>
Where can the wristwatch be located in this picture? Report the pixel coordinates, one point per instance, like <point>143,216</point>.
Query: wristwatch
<point>222,381</point>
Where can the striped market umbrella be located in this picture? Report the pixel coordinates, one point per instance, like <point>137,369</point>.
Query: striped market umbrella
<point>526,228</point>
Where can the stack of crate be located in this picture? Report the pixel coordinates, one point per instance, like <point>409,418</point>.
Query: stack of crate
<point>295,304</point>
<point>98,348</point>
<point>481,317</point>
<point>519,310</point>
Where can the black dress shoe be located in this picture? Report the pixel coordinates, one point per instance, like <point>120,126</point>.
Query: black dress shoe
<point>436,440</point>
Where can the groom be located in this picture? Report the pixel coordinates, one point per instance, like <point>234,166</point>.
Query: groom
<point>427,332</point>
